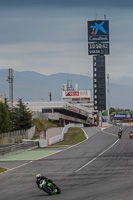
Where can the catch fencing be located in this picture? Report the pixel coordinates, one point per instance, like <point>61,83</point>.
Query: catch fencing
<point>16,136</point>
<point>37,114</point>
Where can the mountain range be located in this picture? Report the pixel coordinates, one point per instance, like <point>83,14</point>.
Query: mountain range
<point>32,86</point>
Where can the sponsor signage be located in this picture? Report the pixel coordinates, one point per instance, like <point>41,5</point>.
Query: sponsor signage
<point>76,110</point>
<point>80,94</point>
<point>98,48</point>
<point>71,118</point>
<point>129,124</point>
<point>71,93</point>
<point>99,83</point>
<point>84,93</point>
<point>98,31</point>
<point>122,116</point>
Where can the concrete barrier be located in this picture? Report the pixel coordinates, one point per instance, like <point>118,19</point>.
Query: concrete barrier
<point>17,148</point>
<point>125,124</point>
<point>58,138</point>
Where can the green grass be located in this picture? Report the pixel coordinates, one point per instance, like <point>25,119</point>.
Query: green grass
<point>73,136</point>
<point>41,125</point>
<point>53,146</point>
<point>29,155</point>
<point>2,169</point>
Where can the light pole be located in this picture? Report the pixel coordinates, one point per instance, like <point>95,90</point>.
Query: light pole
<point>108,96</point>
<point>10,76</point>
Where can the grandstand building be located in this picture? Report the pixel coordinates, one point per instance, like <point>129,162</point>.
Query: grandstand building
<point>61,112</point>
<point>76,107</point>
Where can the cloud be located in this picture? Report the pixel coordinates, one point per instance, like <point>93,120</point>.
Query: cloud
<point>52,38</point>
<point>46,58</point>
<point>68,3</point>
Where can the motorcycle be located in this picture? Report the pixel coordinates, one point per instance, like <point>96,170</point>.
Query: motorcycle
<point>49,187</point>
<point>130,135</point>
<point>120,134</point>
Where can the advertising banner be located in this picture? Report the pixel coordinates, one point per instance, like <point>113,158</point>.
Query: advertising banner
<point>80,94</point>
<point>98,31</point>
<point>122,116</point>
<point>71,93</point>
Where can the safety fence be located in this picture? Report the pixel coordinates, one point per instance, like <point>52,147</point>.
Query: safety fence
<point>37,114</point>
<point>13,149</point>
<point>16,136</point>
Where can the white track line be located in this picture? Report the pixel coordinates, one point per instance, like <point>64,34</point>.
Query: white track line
<point>50,155</point>
<point>109,133</point>
<point>85,133</point>
<point>44,156</point>
<point>96,157</point>
<point>16,167</point>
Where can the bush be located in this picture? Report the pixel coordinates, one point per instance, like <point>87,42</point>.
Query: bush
<point>4,118</point>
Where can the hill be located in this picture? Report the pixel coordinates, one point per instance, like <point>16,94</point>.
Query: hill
<point>32,86</point>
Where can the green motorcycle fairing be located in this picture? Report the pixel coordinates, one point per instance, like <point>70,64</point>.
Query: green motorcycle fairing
<point>41,185</point>
<point>55,190</point>
<point>49,184</point>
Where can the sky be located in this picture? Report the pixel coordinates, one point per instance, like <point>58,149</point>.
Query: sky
<point>50,36</point>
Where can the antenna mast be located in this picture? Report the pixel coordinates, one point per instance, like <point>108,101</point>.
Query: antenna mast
<point>104,16</point>
<point>10,76</point>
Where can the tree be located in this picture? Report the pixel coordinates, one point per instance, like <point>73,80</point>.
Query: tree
<point>105,113</point>
<point>22,116</point>
<point>10,114</point>
<point>4,118</point>
<point>111,110</point>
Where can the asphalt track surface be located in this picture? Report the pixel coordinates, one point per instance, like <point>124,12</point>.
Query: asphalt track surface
<point>100,168</point>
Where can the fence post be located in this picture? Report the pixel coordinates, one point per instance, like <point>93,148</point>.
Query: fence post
<point>19,139</point>
<point>12,137</point>
<point>2,138</point>
<point>44,134</point>
<point>17,135</point>
<point>8,137</point>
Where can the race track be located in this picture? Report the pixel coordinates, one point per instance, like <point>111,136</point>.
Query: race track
<point>100,168</point>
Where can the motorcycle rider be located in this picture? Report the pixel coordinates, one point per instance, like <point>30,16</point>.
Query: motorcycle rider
<point>39,178</point>
<point>121,129</point>
<point>131,134</point>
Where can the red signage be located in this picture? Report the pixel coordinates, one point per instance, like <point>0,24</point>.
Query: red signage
<point>71,93</point>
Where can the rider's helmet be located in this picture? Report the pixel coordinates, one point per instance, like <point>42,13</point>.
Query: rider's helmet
<point>38,176</point>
